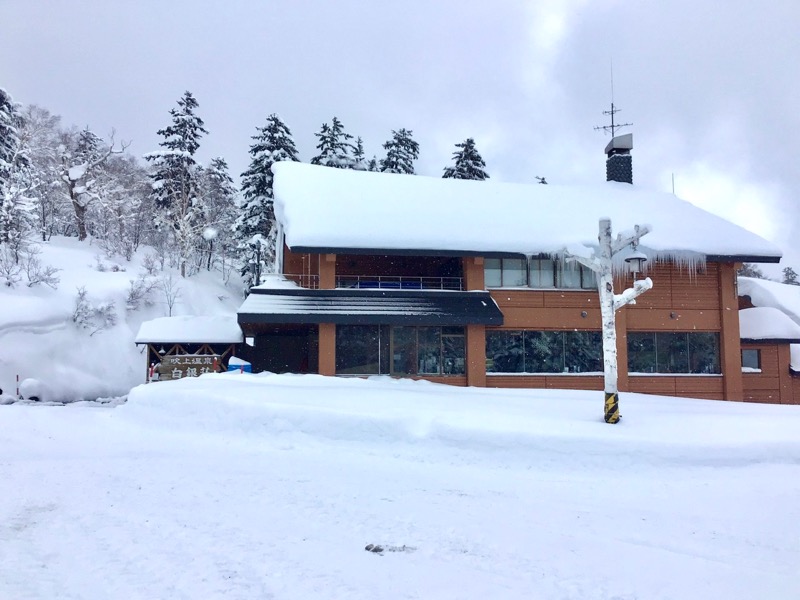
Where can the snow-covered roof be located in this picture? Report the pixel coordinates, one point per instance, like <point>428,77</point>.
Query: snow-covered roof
<point>190,330</point>
<point>767,323</point>
<point>763,292</point>
<point>338,209</point>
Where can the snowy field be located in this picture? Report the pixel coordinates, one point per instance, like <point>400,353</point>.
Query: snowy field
<point>241,486</point>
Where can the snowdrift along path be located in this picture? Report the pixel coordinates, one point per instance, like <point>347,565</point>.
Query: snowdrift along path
<point>241,486</point>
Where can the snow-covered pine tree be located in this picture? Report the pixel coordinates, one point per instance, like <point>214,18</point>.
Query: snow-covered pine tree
<point>790,276</point>
<point>750,270</point>
<point>372,165</point>
<point>174,178</point>
<point>9,136</point>
<point>254,227</point>
<point>219,193</point>
<point>401,152</point>
<point>359,162</point>
<point>335,149</point>
<point>468,163</point>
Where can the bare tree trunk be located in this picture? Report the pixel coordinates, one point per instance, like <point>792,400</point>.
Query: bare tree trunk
<point>80,217</point>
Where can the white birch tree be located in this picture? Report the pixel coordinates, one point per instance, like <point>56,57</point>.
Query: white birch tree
<point>601,263</point>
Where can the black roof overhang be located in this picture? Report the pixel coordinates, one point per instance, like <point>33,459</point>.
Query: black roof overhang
<point>766,341</point>
<point>370,307</point>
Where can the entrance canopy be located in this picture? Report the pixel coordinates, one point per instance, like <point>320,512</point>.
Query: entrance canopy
<point>369,307</point>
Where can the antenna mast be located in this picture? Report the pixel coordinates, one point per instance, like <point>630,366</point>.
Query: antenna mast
<point>614,110</point>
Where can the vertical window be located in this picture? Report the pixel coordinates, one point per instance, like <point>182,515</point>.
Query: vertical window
<point>544,352</point>
<point>583,351</point>
<point>404,350</point>
<point>515,272</point>
<point>357,349</point>
<point>642,352</point>
<point>453,351</point>
<point>569,275</point>
<point>505,352</point>
<point>541,273</point>
<point>672,353</point>
<point>429,350</point>
<point>703,352</point>
<point>751,359</point>
<point>493,272</point>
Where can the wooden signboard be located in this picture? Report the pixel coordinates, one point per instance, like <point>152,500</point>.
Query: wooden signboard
<point>187,365</point>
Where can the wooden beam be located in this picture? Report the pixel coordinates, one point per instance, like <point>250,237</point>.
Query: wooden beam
<point>730,342</point>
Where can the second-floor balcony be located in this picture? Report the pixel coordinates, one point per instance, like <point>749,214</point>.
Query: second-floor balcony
<point>399,282</point>
<point>388,282</point>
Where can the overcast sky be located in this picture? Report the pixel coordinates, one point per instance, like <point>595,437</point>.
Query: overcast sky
<point>711,88</point>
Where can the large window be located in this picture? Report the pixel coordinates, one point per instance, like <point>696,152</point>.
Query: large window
<point>544,352</point>
<point>673,352</point>
<point>399,350</point>
<point>538,273</point>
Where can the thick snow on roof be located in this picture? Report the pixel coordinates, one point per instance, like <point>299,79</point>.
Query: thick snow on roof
<point>190,330</point>
<point>322,207</point>
<point>767,323</point>
<point>763,292</point>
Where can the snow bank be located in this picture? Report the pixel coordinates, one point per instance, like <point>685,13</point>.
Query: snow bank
<point>322,207</point>
<point>304,408</point>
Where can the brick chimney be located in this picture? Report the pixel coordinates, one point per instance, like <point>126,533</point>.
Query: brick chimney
<point>619,165</point>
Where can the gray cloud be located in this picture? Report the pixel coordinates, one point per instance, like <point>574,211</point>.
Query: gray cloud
<point>710,89</point>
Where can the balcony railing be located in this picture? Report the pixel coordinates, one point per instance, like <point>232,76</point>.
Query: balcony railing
<point>310,282</point>
<point>385,282</point>
<point>399,282</point>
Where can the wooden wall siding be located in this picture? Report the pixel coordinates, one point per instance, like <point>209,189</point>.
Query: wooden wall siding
<point>691,387</point>
<point>476,355</point>
<point>474,277</point>
<point>730,343</point>
<point>327,271</point>
<point>531,309</point>
<point>560,382</point>
<point>660,319</point>
<point>678,288</point>
<point>775,384</point>
<point>300,263</point>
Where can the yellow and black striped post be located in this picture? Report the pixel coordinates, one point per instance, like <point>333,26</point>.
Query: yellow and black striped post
<point>612,407</point>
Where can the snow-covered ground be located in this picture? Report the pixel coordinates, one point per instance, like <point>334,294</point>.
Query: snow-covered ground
<point>267,486</point>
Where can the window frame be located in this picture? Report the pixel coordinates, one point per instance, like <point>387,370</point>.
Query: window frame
<point>757,368</point>
<point>587,280</point>
<point>558,344</point>
<point>400,357</point>
<point>663,347</point>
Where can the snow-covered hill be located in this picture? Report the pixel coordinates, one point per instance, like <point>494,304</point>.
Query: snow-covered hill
<point>40,341</point>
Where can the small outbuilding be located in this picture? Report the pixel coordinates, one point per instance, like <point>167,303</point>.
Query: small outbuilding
<point>188,346</point>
